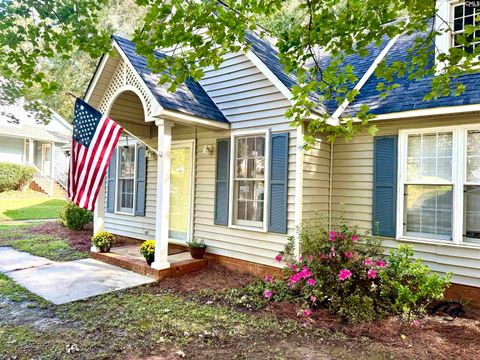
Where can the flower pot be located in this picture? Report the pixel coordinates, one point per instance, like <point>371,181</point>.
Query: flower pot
<point>150,259</point>
<point>105,249</point>
<point>197,252</point>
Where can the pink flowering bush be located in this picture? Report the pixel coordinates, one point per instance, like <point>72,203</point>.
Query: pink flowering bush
<point>346,273</point>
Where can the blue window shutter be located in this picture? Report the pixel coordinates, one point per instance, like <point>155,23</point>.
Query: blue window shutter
<point>385,186</point>
<point>277,215</point>
<point>111,182</point>
<point>222,182</point>
<point>141,161</point>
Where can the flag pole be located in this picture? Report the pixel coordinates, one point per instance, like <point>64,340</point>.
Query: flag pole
<point>126,131</point>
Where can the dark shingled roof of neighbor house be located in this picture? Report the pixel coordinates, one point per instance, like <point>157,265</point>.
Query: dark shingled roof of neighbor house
<point>189,98</point>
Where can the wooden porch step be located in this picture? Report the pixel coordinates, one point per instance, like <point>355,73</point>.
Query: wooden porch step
<point>180,264</point>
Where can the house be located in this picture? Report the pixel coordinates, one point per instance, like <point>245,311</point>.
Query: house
<point>26,140</point>
<point>231,171</point>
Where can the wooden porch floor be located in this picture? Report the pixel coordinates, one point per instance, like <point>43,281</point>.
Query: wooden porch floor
<point>129,257</point>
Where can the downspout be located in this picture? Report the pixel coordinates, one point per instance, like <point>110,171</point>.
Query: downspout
<point>334,120</point>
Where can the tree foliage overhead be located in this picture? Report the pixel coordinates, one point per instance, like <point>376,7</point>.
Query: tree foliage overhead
<point>33,32</point>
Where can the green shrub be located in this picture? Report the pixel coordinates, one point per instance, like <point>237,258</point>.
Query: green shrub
<point>347,274</point>
<point>74,217</point>
<point>409,285</point>
<point>28,172</point>
<point>10,176</point>
<point>103,240</point>
<point>197,244</point>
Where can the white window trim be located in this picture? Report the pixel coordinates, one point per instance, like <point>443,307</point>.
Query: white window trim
<point>117,160</point>
<point>231,197</point>
<point>451,22</point>
<point>191,144</point>
<point>459,169</point>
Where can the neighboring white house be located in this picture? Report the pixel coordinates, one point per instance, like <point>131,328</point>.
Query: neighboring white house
<point>231,170</point>
<point>26,140</point>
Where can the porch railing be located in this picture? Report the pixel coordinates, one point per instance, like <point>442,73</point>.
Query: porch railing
<point>43,181</point>
<point>60,177</point>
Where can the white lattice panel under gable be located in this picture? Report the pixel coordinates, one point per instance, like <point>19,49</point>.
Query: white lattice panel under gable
<point>124,76</point>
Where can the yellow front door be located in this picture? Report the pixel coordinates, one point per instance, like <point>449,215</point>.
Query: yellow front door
<point>180,191</point>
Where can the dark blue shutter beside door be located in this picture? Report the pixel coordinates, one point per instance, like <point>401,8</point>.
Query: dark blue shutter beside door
<point>141,181</point>
<point>111,182</point>
<point>385,186</point>
<point>222,180</point>
<point>277,215</point>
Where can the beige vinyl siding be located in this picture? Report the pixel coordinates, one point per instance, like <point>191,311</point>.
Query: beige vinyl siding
<point>11,150</point>
<point>242,244</point>
<point>352,197</point>
<point>316,181</point>
<point>245,96</point>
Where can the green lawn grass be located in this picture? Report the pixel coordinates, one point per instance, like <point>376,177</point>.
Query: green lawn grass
<point>21,238</point>
<point>28,205</point>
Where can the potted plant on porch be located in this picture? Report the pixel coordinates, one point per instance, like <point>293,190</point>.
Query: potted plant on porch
<point>103,240</point>
<point>197,248</point>
<point>147,249</point>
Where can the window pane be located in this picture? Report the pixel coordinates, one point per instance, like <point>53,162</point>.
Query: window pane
<point>126,194</point>
<point>429,158</point>
<point>458,11</point>
<point>260,168</point>
<point>473,157</point>
<point>127,162</point>
<point>429,211</point>
<point>261,146</point>
<point>472,214</point>
<point>241,168</point>
<point>241,148</point>
<point>255,211</point>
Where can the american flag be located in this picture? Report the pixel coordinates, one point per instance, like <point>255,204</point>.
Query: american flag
<point>94,139</point>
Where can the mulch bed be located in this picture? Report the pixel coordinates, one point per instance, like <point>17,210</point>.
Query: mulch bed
<point>79,240</point>
<point>435,337</point>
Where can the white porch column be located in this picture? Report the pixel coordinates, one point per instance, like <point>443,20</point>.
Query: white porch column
<point>31,151</point>
<point>52,167</point>
<point>163,194</point>
<point>99,215</point>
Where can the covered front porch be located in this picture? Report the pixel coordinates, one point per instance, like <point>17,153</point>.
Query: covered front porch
<point>149,189</point>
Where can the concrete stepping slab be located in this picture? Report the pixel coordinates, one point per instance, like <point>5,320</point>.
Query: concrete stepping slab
<point>11,260</point>
<point>66,282</point>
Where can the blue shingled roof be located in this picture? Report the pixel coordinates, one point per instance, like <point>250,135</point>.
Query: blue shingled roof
<point>189,98</point>
<point>410,94</point>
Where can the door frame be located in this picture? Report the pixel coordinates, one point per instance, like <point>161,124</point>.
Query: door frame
<point>43,158</point>
<point>190,144</point>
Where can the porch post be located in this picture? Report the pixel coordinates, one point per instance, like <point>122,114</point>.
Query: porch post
<point>31,150</point>
<point>163,194</point>
<point>52,167</point>
<point>99,215</point>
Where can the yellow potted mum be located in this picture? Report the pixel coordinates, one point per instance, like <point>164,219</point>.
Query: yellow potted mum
<point>147,249</point>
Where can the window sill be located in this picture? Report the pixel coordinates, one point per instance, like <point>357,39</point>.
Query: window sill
<point>124,213</point>
<point>248,228</point>
<point>438,243</point>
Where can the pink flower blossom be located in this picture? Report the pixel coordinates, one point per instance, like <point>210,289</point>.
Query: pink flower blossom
<point>348,254</point>
<point>341,236</point>
<point>300,259</point>
<point>310,257</point>
<point>372,274</point>
<point>268,278</point>
<point>293,267</point>
<point>305,273</point>
<point>416,323</point>
<point>313,298</point>
<point>311,282</point>
<point>344,274</point>
<point>380,263</point>
<point>367,262</point>
<point>307,312</point>
<point>332,235</point>
<point>267,294</point>
<point>294,279</point>
<point>278,258</point>
<point>354,238</point>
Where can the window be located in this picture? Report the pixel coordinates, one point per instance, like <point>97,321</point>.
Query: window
<point>440,177</point>
<point>126,179</point>
<point>464,16</point>
<point>472,187</point>
<point>249,181</point>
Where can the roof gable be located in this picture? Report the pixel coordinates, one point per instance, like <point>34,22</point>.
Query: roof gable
<point>189,98</point>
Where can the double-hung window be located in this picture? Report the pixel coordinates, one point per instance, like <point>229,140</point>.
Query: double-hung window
<point>249,180</point>
<point>439,188</point>
<point>464,16</point>
<point>126,179</point>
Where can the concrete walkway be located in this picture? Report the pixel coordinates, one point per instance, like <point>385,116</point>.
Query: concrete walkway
<point>66,282</point>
